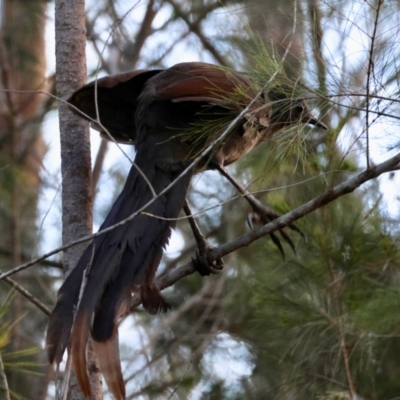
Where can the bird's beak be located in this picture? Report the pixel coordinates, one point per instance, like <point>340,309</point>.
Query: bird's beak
<point>313,121</point>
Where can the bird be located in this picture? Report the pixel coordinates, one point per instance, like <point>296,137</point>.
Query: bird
<point>171,115</point>
<point>108,103</point>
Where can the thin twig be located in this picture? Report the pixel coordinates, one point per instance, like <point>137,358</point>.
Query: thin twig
<point>195,27</point>
<point>24,257</point>
<point>39,231</point>
<point>28,295</point>
<point>144,32</point>
<point>369,72</point>
<point>182,377</point>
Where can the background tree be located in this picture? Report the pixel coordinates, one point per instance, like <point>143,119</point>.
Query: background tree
<point>22,73</point>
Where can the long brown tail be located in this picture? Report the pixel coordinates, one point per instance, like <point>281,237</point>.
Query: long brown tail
<point>114,263</point>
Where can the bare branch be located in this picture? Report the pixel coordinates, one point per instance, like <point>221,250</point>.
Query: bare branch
<point>195,27</point>
<point>28,295</point>
<point>330,195</point>
<point>144,32</point>
<point>369,72</point>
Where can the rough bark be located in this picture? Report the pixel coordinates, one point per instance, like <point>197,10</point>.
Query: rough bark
<point>75,146</point>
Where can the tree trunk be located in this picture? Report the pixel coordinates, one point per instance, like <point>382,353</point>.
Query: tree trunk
<point>75,147</point>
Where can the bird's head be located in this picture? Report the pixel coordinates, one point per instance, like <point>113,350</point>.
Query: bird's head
<point>287,110</point>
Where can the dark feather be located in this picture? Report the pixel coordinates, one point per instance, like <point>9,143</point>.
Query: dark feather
<point>117,99</point>
<point>150,109</point>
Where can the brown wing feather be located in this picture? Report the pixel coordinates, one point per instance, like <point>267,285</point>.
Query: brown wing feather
<point>200,82</point>
<point>117,95</point>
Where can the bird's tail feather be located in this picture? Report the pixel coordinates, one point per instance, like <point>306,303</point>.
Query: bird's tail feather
<point>110,364</point>
<point>116,262</point>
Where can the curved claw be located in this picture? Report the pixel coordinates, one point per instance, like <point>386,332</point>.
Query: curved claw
<point>204,266</point>
<point>262,215</point>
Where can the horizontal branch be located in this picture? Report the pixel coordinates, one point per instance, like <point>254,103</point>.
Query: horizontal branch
<point>343,188</point>
<point>330,195</point>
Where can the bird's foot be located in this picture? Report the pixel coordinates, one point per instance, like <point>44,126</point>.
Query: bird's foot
<point>261,215</point>
<point>152,300</point>
<point>204,266</point>
<point>202,262</point>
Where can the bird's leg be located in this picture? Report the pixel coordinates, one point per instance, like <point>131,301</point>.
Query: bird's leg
<point>201,262</point>
<point>261,213</point>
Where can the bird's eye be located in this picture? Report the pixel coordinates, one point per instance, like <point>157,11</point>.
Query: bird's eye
<point>299,108</point>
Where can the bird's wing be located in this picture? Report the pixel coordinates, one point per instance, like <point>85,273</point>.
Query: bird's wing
<point>202,82</point>
<point>116,99</point>
<point>117,95</point>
